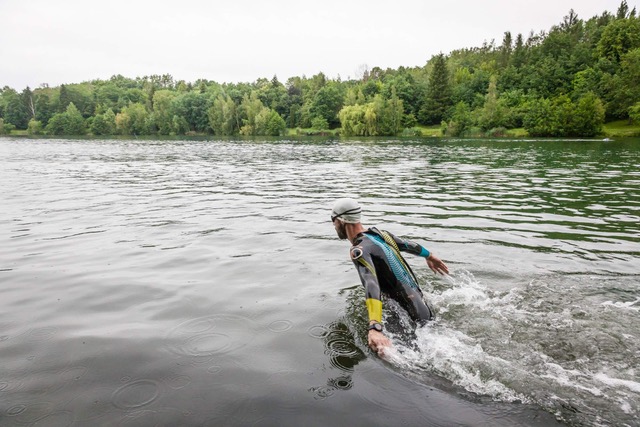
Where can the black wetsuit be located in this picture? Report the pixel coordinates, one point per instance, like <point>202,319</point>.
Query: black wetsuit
<point>383,271</point>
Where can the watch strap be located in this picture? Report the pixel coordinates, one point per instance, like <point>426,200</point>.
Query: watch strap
<point>376,326</point>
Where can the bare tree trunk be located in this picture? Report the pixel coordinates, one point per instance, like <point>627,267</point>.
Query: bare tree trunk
<point>32,107</point>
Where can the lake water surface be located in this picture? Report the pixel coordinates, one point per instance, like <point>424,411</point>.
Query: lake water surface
<point>200,283</point>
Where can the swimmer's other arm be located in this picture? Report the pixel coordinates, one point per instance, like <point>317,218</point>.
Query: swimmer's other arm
<point>377,340</point>
<point>435,264</point>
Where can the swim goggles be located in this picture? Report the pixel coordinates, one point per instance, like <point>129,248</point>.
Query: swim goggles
<point>350,211</point>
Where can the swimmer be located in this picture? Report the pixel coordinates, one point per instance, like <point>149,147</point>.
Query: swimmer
<point>383,270</point>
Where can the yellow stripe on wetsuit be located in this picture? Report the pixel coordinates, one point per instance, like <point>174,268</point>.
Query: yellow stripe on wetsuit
<point>374,307</point>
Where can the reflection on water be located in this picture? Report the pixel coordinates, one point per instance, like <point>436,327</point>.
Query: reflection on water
<point>201,283</point>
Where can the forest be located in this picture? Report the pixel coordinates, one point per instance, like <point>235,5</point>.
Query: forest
<point>567,81</point>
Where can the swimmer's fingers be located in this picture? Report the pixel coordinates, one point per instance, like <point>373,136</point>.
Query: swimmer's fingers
<point>437,265</point>
<point>378,341</point>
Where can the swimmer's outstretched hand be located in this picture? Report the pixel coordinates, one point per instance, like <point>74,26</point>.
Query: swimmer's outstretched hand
<point>436,265</point>
<point>378,342</point>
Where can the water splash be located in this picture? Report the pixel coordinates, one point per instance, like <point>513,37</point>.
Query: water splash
<point>542,343</point>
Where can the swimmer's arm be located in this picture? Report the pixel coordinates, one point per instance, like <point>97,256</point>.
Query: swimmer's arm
<point>377,340</point>
<point>435,264</point>
<point>366,271</point>
<point>410,246</point>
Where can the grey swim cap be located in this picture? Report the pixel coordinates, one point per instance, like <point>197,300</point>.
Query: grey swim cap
<point>347,209</point>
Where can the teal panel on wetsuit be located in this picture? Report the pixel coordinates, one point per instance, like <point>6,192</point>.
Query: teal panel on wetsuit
<point>397,268</point>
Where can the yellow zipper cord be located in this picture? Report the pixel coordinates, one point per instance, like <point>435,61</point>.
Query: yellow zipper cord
<point>387,238</point>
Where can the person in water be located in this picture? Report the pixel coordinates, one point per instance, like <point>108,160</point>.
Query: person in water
<point>382,269</point>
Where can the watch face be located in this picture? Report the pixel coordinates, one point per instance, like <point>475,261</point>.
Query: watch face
<point>376,326</point>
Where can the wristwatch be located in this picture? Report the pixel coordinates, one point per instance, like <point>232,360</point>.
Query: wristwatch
<point>375,326</point>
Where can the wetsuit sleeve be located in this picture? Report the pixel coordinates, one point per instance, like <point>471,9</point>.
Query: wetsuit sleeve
<point>364,264</point>
<point>410,246</point>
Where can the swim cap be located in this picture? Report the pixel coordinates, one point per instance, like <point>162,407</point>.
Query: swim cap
<point>347,209</point>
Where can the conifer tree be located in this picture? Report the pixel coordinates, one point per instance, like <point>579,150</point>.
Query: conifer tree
<point>438,100</point>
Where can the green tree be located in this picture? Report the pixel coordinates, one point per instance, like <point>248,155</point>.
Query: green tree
<point>513,103</point>
<point>634,113</point>
<point>536,120</point>
<point>108,95</point>
<point>469,86</point>
<point>259,119</point>
<point>133,120</point>
<point>44,109</point>
<point>587,80</point>
<point>408,89</point>
<point>461,121</point>
<point>618,38</point>
<point>327,103</point>
<point>223,116</point>
<point>371,118</point>
<point>393,115</point>
<point>378,117</point>
<point>15,110</point>
<point>273,94</point>
<point>179,125</point>
<point>194,107</point>
<point>34,127</point>
<point>250,107</point>
<point>629,90</point>
<point>492,114</point>
<point>7,128</point>
<point>588,116</point>
<point>81,95</point>
<point>352,120</point>
<point>70,122</point>
<point>134,96</point>
<point>320,123</point>
<point>354,96</point>
<point>64,98</point>
<point>104,124</point>
<point>162,111</point>
<point>269,123</point>
<point>519,55</point>
<point>506,49</point>
<point>75,122</point>
<point>562,117</point>
<point>438,99</point>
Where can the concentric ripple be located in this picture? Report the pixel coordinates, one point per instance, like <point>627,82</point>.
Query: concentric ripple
<point>136,394</point>
<point>211,335</point>
<point>280,325</point>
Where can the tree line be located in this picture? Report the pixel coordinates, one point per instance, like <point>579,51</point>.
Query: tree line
<point>566,81</point>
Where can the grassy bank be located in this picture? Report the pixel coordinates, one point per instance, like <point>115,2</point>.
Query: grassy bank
<point>616,129</point>
<point>621,128</point>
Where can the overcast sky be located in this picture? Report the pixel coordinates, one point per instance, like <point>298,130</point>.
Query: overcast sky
<point>70,41</point>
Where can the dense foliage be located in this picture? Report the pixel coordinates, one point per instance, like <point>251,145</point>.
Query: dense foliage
<point>564,82</point>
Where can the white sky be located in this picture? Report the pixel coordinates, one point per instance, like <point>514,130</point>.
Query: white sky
<point>70,41</point>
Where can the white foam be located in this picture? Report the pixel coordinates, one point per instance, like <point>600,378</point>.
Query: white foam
<point>465,290</point>
<point>569,378</point>
<point>625,406</point>
<point>629,305</point>
<point>456,357</point>
<point>631,385</point>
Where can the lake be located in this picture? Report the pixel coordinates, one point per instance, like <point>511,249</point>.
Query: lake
<point>201,283</point>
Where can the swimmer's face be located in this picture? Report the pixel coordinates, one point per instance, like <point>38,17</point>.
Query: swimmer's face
<point>341,229</point>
